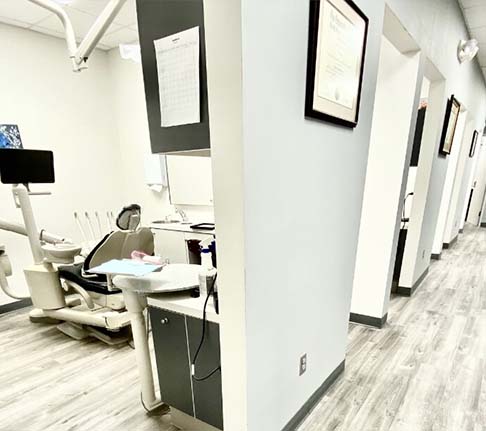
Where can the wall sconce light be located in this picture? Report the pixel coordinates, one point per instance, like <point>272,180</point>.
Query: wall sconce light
<point>467,50</point>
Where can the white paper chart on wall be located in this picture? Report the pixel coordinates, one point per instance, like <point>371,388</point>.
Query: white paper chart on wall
<point>178,73</point>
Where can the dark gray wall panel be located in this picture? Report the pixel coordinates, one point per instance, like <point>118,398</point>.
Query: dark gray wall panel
<point>157,19</point>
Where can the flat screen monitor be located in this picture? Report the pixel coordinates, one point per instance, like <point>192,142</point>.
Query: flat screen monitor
<point>20,166</point>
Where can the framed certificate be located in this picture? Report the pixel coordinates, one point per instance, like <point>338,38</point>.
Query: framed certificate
<point>472,150</point>
<point>338,31</point>
<point>450,124</point>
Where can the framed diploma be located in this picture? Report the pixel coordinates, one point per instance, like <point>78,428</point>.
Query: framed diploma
<point>338,31</point>
<point>472,150</point>
<point>450,124</point>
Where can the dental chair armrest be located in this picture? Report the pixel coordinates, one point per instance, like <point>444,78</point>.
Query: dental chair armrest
<point>82,292</point>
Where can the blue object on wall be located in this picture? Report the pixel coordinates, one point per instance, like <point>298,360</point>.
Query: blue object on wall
<point>10,136</point>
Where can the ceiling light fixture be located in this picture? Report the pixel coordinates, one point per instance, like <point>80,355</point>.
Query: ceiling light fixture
<point>467,50</point>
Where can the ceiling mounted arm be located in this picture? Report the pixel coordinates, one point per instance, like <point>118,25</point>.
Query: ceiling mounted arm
<point>79,55</point>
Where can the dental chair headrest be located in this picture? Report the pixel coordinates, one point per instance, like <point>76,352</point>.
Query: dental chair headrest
<point>129,217</point>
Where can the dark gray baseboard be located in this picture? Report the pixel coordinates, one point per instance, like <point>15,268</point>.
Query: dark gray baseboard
<point>17,305</point>
<point>409,291</point>
<point>447,245</point>
<point>435,256</point>
<point>363,319</point>
<point>483,224</point>
<point>299,417</point>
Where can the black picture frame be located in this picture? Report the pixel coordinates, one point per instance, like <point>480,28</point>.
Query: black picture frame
<point>450,124</point>
<point>474,142</point>
<point>314,19</point>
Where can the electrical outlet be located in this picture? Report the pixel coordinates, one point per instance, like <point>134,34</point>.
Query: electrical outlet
<point>303,364</point>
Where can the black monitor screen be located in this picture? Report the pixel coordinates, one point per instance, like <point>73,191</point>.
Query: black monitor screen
<point>20,166</point>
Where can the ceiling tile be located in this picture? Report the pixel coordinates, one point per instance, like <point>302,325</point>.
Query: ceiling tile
<point>124,35</point>
<point>81,21</point>
<point>93,7</point>
<point>482,57</point>
<point>22,11</point>
<point>14,22</point>
<point>470,3</point>
<point>479,34</point>
<point>126,16</point>
<point>476,16</point>
<point>47,31</point>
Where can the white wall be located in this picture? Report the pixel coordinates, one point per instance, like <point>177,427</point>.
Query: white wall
<point>68,113</point>
<point>469,183</point>
<point>428,153</point>
<point>450,178</point>
<point>479,183</point>
<point>286,283</point>
<point>294,277</point>
<point>387,160</point>
<point>223,26</point>
<point>299,259</point>
<point>458,194</point>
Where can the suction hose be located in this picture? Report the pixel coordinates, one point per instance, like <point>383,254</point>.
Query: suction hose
<point>5,269</point>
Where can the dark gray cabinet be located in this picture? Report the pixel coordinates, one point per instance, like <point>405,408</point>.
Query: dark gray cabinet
<point>176,339</point>
<point>158,19</point>
<point>207,394</point>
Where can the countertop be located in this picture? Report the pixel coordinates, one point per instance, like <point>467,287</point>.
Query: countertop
<point>181,227</point>
<point>182,303</point>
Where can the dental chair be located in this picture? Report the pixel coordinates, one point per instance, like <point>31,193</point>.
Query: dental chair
<point>84,304</point>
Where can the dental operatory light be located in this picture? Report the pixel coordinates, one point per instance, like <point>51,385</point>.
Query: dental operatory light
<point>467,50</point>
<point>79,54</point>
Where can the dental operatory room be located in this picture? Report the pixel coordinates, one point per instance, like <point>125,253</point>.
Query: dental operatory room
<point>242,215</point>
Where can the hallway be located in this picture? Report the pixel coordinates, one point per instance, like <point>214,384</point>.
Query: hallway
<point>426,369</point>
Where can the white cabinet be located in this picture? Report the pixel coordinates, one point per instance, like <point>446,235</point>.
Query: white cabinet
<point>172,245</point>
<point>190,180</point>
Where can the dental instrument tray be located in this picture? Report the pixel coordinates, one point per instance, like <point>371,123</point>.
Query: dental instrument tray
<point>203,226</point>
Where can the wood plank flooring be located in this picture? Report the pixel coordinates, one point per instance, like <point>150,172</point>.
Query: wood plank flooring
<point>425,370</point>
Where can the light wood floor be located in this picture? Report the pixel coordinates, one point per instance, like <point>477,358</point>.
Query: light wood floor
<point>426,370</point>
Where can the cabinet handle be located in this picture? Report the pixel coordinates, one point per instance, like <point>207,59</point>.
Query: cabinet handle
<point>164,321</point>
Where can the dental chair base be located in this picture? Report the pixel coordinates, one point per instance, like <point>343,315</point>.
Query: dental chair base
<point>83,315</point>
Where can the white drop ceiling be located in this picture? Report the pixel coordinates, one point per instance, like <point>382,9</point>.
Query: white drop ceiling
<point>83,13</point>
<point>475,14</point>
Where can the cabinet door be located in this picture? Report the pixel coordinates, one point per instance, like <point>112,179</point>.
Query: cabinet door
<point>208,402</point>
<point>171,245</point>
<point>173,364</point>
<point>190,180</point>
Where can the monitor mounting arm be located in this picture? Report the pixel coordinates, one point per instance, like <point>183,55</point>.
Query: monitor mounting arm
<point>79,54</point>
